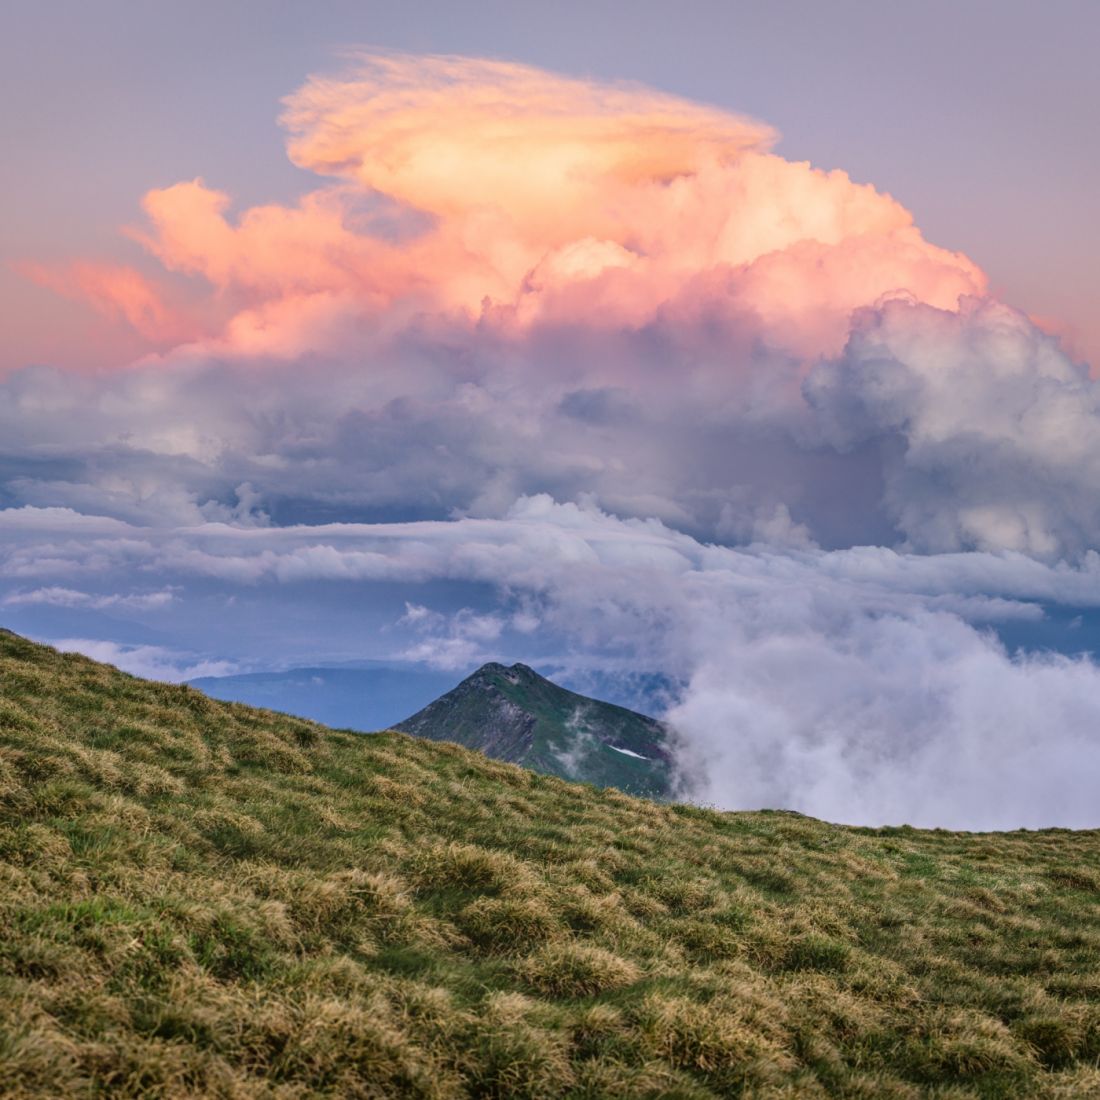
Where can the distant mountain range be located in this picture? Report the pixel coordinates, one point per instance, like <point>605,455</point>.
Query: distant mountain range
<point>514,714</point>
<point>364,699</point>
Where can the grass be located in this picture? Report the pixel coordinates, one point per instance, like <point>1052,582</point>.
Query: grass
<point>198,898</point>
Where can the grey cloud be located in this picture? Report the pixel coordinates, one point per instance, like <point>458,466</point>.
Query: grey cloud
<point>935,430</point>
<point>421,431</point>
<point>990,435</point>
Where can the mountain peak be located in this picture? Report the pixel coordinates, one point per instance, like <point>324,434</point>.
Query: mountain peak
<point>513,713</point>
<point>512,673</point>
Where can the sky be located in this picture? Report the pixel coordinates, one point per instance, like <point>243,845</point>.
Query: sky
<point>745,345</point>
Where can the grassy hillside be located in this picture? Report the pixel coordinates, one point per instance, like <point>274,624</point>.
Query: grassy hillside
<point>197,898</point>
<point>514,714</point>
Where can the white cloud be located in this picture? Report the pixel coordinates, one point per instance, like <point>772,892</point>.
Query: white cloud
<point>456,641</point>
<point>68,597</point>
<point>148,661</point>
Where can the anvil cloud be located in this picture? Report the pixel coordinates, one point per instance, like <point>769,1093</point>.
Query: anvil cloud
<point>499,195</point>
<point>755,380</point>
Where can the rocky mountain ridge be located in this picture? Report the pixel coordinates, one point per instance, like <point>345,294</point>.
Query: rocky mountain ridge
<point>512,713</point>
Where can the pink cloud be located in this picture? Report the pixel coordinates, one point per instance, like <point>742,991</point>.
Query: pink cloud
<point>543,201</point>
<point>118,292</point>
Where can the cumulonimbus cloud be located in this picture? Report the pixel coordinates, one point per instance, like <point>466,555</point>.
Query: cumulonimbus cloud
<point>760,431</point>
<point>506,196</point>
<point>516,282</point>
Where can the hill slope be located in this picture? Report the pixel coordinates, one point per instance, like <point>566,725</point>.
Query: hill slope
<point>514,714</point>
<point>197,898</point>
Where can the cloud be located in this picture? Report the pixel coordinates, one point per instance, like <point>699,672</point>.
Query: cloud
<point>148,661</point>
<point>449,133</point>
<point>454,641</point>
<point>992,434</point>
<point>462,647</point>
<point>861,685</point>
<point>426,333</point>
<point>573,201</point>
<point>68,597</point>
<point>116,291</point>
<point>912,718</point>
<point>498,197</point>
<point>587,372</point>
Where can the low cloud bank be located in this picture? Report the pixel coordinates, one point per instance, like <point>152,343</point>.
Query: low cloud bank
<point>861,685</point>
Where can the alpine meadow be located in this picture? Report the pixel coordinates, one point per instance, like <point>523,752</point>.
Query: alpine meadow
<point>202,898</point>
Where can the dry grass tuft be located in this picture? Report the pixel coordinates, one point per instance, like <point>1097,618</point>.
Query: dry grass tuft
<point>508,924</point>
<point>576,970</point>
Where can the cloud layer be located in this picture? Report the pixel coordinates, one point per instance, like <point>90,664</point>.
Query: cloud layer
<point>589,371</point>
<point>858,685</point>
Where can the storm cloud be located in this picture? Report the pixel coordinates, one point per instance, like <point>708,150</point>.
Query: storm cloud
<point>588,373</point>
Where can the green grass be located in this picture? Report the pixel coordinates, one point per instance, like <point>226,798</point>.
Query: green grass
<point>197,898</point>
